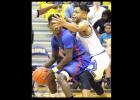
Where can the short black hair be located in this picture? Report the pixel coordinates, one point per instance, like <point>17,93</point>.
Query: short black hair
<point>108,13</point>
<point>50,18</point>
<point>83,6</point>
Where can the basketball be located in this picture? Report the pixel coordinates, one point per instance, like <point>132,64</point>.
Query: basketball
<point>40,75</point>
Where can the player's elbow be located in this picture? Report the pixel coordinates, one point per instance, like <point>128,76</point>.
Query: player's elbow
<point>72,27</point>
<point>75,29</point>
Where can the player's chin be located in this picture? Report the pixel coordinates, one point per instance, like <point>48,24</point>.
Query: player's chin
<point>56,32</point>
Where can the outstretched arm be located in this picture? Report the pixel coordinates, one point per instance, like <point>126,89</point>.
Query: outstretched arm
<point>71,26</point>
<point>44,10</point>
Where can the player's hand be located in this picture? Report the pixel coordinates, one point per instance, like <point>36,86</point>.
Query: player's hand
<point>59,21</point>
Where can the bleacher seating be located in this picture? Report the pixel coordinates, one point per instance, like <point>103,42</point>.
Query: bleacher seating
<point>42,37</point>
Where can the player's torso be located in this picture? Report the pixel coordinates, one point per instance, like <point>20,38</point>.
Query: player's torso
<point>91,43</point>
<point>78,48</point>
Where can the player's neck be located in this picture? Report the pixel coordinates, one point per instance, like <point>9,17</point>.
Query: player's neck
<point>58,34</point>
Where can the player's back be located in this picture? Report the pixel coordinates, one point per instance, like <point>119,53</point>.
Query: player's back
<point>91,43</point>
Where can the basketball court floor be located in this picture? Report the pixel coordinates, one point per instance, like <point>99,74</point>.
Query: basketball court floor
<point>43,92</point>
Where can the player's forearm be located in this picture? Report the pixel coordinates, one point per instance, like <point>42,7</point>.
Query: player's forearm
<point>50,62</point>
<point>64,61</point>
<point>71,26</point>
<point>68,19</point>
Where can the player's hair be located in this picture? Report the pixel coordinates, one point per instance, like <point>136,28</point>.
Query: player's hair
<point>107,24</point>
<point>108,13</point>
<point>84,7</point>
<point>50,18</point>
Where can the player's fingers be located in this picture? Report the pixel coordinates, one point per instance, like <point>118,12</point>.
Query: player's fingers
<point>55,22</point>
<point>56,16</point>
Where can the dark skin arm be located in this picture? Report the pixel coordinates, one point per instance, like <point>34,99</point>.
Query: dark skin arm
<point>52,59</point>
<point>67,58</point>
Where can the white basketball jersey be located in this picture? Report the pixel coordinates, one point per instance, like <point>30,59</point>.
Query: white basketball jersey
<point>91,43</point>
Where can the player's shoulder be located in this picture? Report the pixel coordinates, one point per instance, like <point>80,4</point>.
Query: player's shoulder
<point>84,21</point>
<point>67,34</point>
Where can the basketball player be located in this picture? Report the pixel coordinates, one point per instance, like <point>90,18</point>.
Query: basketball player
<point>86,35</point>
<point>72,65</point>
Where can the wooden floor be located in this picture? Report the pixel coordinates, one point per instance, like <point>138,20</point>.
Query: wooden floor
<point>43,92</point>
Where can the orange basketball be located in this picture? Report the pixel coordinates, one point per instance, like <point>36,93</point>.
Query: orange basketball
<point>40,75</point>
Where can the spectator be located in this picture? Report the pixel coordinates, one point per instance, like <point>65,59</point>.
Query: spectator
<point>106,17</point>
<point>106,42</point>
<point>69,11</point>
<point>95,12</point>
<point>36,13</point>
<point>107,35</point>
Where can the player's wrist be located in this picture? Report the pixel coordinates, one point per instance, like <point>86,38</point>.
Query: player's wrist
<point>64,23</point>
<point>55,69</point>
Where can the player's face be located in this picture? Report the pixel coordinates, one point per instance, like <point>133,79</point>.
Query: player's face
<point>54,28</point>
<point>108,29</point>
<point>77,14</point>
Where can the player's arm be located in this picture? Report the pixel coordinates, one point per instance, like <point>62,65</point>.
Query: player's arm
<point>67,58</point>
<point>55,52</point>
<point>68,43</point>
<point>71,26</point>
<point>52,60</point>
<point>82,26</point>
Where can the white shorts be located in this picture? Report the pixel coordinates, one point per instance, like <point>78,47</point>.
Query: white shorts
<point>98,64</point>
